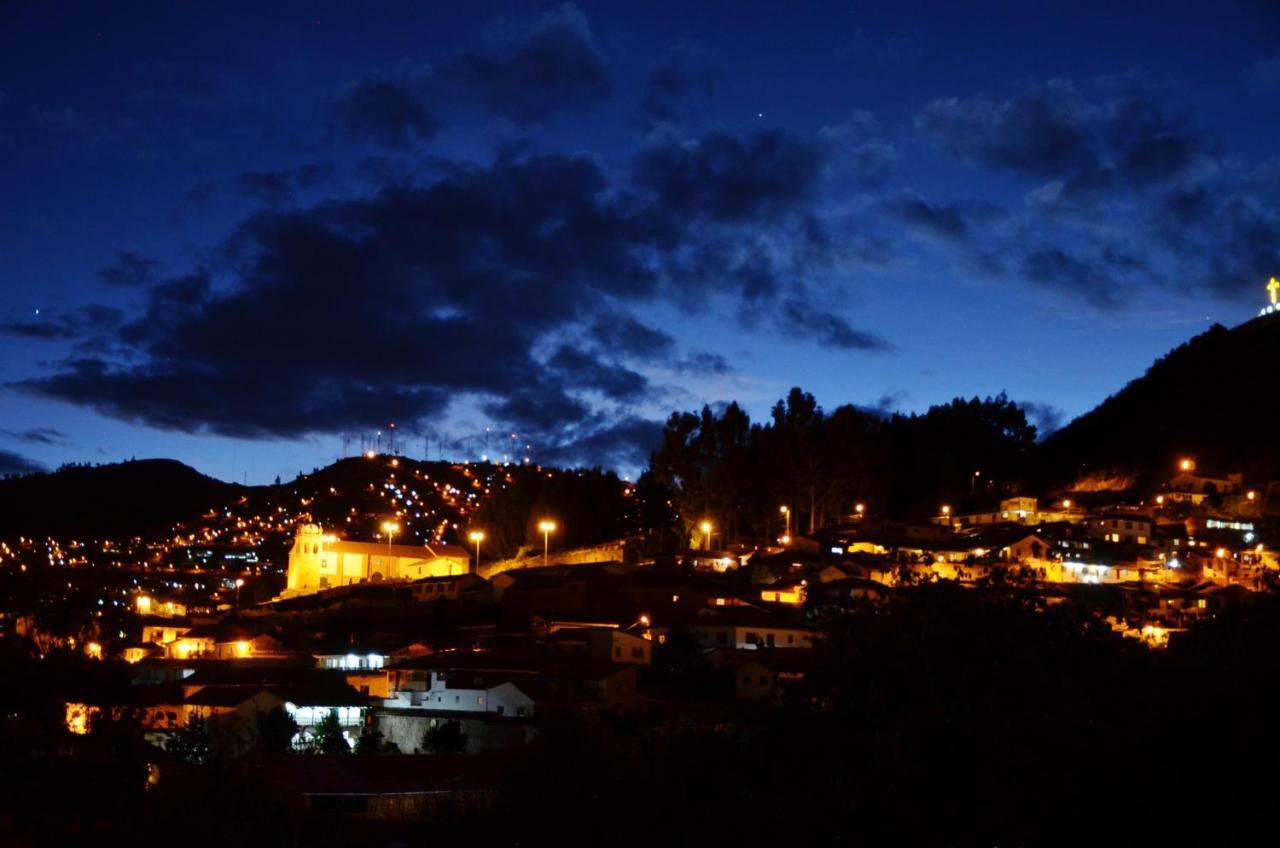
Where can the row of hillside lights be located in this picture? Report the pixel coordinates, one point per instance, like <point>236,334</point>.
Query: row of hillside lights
<point>546,527</point>
<point>946,508</point>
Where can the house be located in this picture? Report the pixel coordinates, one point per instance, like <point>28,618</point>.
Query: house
<point>1120,527</point>
<point>604,643</point>
<point>452,588</point>
<point>742,628</point>
<point>763,678</point>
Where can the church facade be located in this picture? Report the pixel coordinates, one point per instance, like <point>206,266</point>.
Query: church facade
<point>320,561</point>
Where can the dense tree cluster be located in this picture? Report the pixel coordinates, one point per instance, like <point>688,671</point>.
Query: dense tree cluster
<point>720,466</point>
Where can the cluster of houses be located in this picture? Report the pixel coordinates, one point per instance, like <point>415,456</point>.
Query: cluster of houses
<point>407,655</point>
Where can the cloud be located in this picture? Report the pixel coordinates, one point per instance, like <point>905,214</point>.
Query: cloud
<point>583,370</point>
<point>12,463</point>
<point>1057,269</point>
<point>1046,417</point>
<point>625,334</point>
<point>84,323</point>
<point>37,436</point>
<point>855,147</point>
<point>703,363</point>
<point>805,319</point>
<point>459,285</point>
<point>1264,76</point>
<point>534,68</point>
<point>626,443</point>
<point>725,177</point>
<point>1041,132</point>
<point>941,220</point>
<point>387,112</point>
<point>681,76</point>
<point>129,269</point>
<point>275,187</point>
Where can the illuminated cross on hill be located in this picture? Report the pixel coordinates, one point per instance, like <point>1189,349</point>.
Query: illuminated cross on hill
<point>1273,288</point>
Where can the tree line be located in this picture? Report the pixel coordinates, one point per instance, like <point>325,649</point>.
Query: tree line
<point>719,466</point>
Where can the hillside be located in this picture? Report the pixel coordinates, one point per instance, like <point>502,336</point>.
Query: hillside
<point>119,499</point>
<point>1210,398</point>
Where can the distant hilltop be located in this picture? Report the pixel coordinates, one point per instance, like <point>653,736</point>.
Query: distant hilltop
<point>1212,397</point>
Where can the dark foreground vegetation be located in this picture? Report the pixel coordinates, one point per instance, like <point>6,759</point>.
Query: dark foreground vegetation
<point>946,717</point>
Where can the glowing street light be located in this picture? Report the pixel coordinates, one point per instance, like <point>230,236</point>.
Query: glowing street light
<point>1066,504</point>
<point>706,527</point>
<point>546,527</point>
<point>239,583</point>
<point>859,509</point>
<point>476,536</point>
<point>391,528</point>
<point>1251,495</point>
<point>946,510</point>
<point>786,512</point>
<point>1187,465</point>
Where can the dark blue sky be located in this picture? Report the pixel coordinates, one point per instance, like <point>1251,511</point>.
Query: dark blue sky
<point>231,234</point>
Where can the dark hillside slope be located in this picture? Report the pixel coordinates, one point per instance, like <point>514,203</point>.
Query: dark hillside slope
<point>1213,398</point>
<point>125,498</point>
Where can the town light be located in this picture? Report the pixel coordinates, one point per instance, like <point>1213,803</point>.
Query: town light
<point>859,508</point>
<point>644,620</point>
<point>546,527</point>
<point>786,513</point>
<point>1066,504</point>
<point>946,510</point>
<point>391,528</point>
<point>476,536</point>
<point>1160,500</point>
<point>242,649</point>
<point>706,529</point>
<point>1251,495</point>
<point>1187,464</point>
<point>785,540</point>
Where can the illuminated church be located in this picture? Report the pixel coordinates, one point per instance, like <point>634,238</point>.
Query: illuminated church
<point>319,560</point>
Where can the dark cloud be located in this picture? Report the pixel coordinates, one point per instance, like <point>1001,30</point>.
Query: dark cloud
<point>585,371</point>
<point>1057,269</point>
<point>535,68</point>
<point>1054,130</point>
<point>703,363</point>
<point>387,112</point>
<point>623,333</point>
<point>130,269</point>
<point>855,147</point>
<point>727,178</point>
<point>37,436</point>
<point>84,323</point>
<point>1040,132</point>
<point>1264,76</point>
<point>453,284</point>
<point>626,443</point>
<point>546,409</point>
<point>807,320</point>
<point>12,463</point>
<point>1046,417</point>
<point>276,187</point>
<point>942,220</point>
<point>681,76</point>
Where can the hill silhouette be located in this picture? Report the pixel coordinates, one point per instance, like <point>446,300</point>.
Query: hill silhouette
<point>1210,398</point>
<point>125,498</point>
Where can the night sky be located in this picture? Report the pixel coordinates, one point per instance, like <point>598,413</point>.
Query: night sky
<point>230,234</point>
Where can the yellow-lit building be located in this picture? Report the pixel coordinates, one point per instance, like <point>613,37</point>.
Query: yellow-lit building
<point>322,561</point>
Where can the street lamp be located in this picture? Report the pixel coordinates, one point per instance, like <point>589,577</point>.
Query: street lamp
<point>391,528</point>
<point>546,527</point>
<point>706,528</point>
<point>239,583</point>
<point>859,509</point>
<point>476,536</point>
<point>786,512</point>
